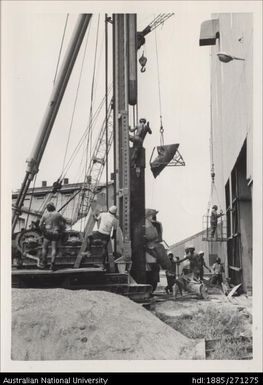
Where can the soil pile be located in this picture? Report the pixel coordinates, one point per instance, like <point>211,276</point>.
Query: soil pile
<point>58,324</point>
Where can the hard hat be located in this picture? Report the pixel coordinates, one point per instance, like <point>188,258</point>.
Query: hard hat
<point>170,253</point>
<point>215,207</point>
<point>142,120</point>
<point>191,247</point>
<point>51,206</point>
<point>201,252</point>
<point>113,209</point>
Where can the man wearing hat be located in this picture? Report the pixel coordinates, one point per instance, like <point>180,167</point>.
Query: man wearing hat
<point>213,219</point>
<point>52,225</point>
<point>170,275</point>
<point>107,226</point>
<point>218,270</point>
<point>140,132</point>
<point>193,259</point>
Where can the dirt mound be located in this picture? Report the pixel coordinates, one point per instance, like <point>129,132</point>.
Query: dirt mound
<point>58,324</point>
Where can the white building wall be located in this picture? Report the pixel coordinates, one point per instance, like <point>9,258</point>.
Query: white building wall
<point>232,93</point>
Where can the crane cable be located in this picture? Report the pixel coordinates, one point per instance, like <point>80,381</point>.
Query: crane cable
<point>75,102</point>
<point>159,19</point>
<point>89,139</point>
<point>60,50</point>
<point>159,90</point>
<point>84,135</point>
<point>212,171</point>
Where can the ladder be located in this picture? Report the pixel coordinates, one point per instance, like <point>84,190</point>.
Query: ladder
<point>96,166</point>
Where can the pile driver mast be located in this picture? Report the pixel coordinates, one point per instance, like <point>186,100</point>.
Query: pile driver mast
<point>129,181</point>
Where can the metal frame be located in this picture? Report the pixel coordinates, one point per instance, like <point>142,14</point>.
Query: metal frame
<point>176,161</point>
<point>222,230</point>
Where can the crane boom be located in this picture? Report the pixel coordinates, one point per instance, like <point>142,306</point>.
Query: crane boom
<point>51,111</point>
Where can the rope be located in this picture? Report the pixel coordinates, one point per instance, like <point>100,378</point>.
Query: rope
<point>106,109</point>
<point>89,139</point>
<point>159,91</point>
<point>60,50</point>
<point>213,185</point>
<point>83,137</point>
<point>75,101</point>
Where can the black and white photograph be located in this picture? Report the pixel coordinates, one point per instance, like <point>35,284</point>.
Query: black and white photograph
<point>131,180</point>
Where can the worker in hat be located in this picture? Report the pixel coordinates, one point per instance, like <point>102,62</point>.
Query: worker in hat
<point>53,225</point>
<point>218,270</point>
<point>193,262</point>
<point>202,264</point>
<point>214,218</point>
<point>185,262</point>
<point>106,227</point>
<point>140,133</point>
<point>170,274</point>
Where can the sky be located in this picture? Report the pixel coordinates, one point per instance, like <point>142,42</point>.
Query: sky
<point>180,194</point>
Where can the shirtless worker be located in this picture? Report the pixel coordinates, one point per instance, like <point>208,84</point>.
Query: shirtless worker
<point>140,132</point>
<point>193,259</point>
<point>52,225</point>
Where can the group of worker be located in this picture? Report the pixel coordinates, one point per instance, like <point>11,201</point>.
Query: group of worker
<point>193,266</point>
<point>53,226</point>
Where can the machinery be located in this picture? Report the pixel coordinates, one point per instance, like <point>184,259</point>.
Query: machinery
<point>124,269</point>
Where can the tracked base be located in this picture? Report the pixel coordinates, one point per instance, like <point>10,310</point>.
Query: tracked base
<point>81,279</point>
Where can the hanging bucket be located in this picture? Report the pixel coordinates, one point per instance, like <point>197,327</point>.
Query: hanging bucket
<point>167,155</point>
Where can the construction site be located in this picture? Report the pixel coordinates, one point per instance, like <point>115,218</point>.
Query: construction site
<point>93,276</point>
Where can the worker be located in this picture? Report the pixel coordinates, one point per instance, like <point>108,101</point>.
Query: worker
<point>218,270</point>
<point>193,258</point>
<point>170,275</point>
<point>177,266</point>
<point>202,264</point>
<point>213,219</point>
<point>53,225</point>
<point>107,226</point>
<point>140,132</point>
<point>156,254</point>
<point>186,276</point>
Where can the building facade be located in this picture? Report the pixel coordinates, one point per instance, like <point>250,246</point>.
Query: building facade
<point>66,199</point>
<point>231,39</point>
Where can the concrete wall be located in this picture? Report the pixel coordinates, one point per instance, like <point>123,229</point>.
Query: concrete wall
<point>232,121</point>
<point>232,94</point>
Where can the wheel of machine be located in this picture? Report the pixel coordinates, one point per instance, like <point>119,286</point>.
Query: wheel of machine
<point>28,242</point>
